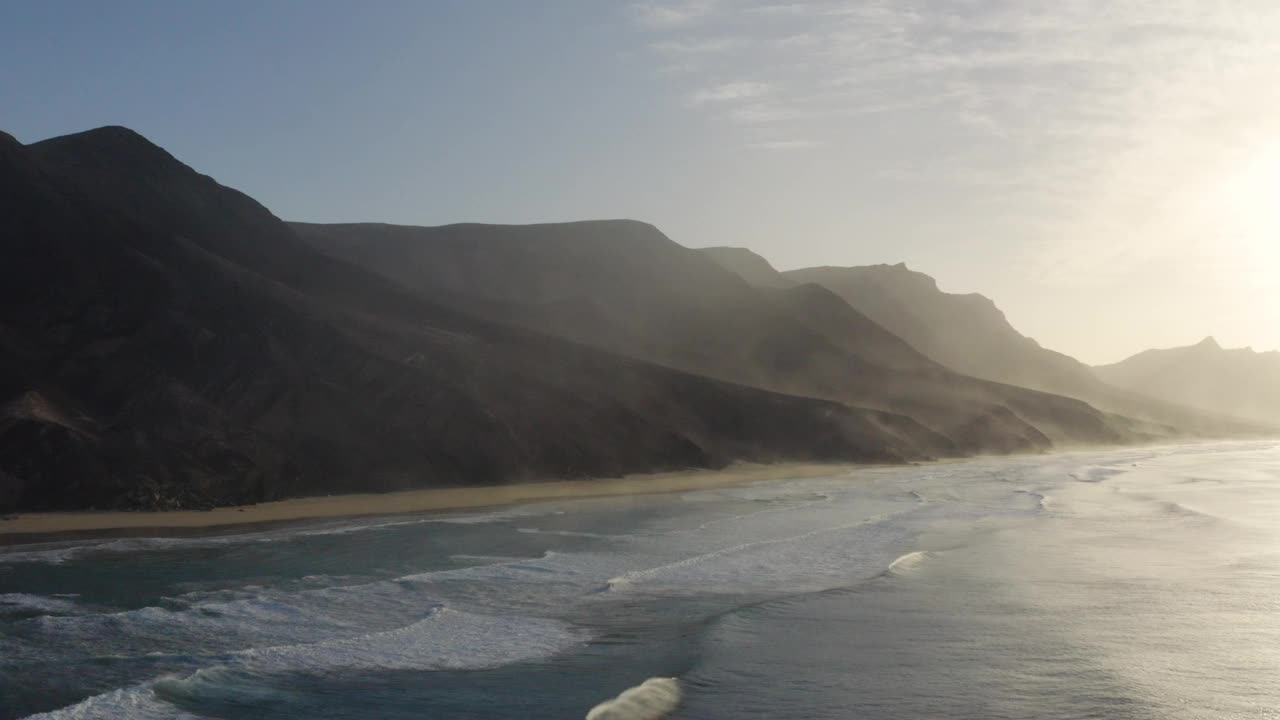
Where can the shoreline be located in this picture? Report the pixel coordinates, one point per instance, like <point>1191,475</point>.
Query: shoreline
<point>48,526</point>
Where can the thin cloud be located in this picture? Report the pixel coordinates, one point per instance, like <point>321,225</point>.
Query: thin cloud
<point>1084,121</point>
<point>730,91</point>
<point>785,145</point>
<point>667,15</point>
<point>698,46</point>
<point>764,114</point>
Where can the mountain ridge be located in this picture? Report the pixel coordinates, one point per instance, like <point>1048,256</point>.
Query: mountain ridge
<point>1229,380</point>
<point>167,342</point>
<point>970,334</point>
<point>657,300</point>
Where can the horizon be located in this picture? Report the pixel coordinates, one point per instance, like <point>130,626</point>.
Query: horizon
<point>1027,155</point>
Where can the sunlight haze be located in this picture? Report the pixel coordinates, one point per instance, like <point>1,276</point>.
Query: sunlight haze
<point>639,359</point>
<point>1107,172</point>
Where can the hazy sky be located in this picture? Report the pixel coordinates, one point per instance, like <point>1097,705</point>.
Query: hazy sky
<point>1108,172</point>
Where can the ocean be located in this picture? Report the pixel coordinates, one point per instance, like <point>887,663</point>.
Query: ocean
<point>1136,583</point>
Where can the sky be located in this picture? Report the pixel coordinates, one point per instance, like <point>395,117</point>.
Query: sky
<point>1108,172</point>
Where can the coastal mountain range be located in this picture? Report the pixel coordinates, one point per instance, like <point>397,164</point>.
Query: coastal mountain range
<point>968,333</point>
<point>627,288</point>
<point>167,342</point>
<point>1237,381</point>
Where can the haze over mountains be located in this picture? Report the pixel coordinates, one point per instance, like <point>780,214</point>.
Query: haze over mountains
<point>627,288</point>
<point>969,334</point>
<point>1236,381</point>
<point>165,341</point>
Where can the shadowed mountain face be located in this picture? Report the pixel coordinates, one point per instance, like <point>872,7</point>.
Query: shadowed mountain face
<point>625,287</point>
<point>1239,382</point>
<point>967,333</point>
<point>167,342</point>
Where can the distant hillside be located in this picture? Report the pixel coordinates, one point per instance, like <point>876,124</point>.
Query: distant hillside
<point>167,342</point>
<point>1238,382</point>
<point>969,334</point>
<point>966,333</point>
<point>625,287</point>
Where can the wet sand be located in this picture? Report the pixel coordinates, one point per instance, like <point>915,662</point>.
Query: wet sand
<point>409,501</point>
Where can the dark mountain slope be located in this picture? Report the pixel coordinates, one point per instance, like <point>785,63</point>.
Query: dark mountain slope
<point>616,284</point>
<point>969,334</point>
<point>1238,382</point>
<point>625,287</point>
<point>167,342</point>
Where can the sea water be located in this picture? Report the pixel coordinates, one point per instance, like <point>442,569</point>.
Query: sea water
<point>1136,583</point>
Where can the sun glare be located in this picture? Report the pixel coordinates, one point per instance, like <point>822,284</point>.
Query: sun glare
<point>1246,213</point>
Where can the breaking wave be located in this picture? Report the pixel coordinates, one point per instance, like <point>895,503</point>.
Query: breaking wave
<point>653,699</point>
<point>818,559</point>
<point>907,563</point>
<point>28,604</point>
<point>446,639</point>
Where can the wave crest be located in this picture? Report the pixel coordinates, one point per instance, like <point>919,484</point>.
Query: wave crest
<point>653,699</point>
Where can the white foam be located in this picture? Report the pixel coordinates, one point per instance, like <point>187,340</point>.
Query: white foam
<point>495,516</point>
<point>818,559</point>
<point>51,553</point>
<point>214,622</point>
<point>58,553</point>
<point>135,703</point>
<point>444,640</point>
<point>653,699</point>
<point>1096,473</point>
<point>45,604</point>
<point>801,503</point>
<point>487,559</point>
<point>568,533</point>
<point>223,626</point>
<point>1041,500</point>
<point>909,562</point>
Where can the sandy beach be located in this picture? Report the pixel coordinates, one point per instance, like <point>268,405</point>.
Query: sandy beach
<point>410,501</point>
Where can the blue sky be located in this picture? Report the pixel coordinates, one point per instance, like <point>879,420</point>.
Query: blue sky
<point>1108,172</point>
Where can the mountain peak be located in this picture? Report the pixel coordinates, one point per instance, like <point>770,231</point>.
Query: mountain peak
<point>1234,382</point>
<point>112,145</point>
<point>899,272</point>
<point>111,131</point>
<point>105,135</point>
